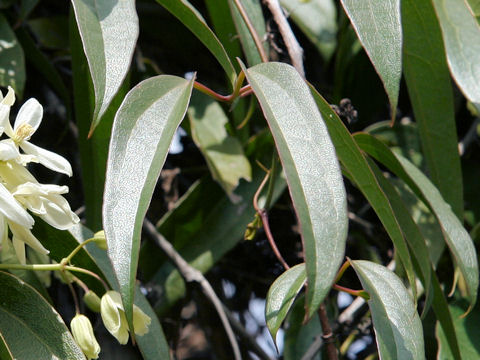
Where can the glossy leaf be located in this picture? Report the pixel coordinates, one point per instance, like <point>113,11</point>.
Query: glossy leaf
<point>429,85</point>
<point>254,10</point>
<point>461,35</point>
<point>109,31</point>
<point>360,173</point>
<point>143,129</point>
<point>377,24</point>
<point>5,352</point>
<point>26,318</point>
<point>312,171</point>
<point>397,326</point>
<point>153,344</point>
<point>194,21</point>
<point>466,329</point>
<point>223,153</point>
<point>12,62</point>
<point>281,295</point>
<point>457,238</point>
<point>318,21</point>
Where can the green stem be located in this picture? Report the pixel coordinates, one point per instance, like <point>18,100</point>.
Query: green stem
<point>76,250</point>
<point>53,267</point>
<point>342,270</point>
<point>271,183</point>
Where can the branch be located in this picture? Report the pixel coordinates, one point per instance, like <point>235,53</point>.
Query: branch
<point>293,47</point>
<point>191,274</point>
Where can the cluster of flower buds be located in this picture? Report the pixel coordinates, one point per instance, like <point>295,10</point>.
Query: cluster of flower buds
<point>113,316</point>
<point>19,190</point>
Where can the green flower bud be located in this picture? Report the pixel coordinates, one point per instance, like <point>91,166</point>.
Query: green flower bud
<point>83,334</point>
<point>92,301</point>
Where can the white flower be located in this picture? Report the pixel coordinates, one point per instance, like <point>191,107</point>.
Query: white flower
<point>27,122</point>
<point>113,316</point>
<point>42,200</point>
<point>82,332</point>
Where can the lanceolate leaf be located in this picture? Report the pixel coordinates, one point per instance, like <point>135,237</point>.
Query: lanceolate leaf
<point>194,21</point>
<point>109,31</point>
<point>429,85</point>
<point>356,165</point>
<point>457,238</point>
<point>461,35</point>
<point>281,295</point>
<point>311,168</point>
<point>12,62</point>
<point>143,129</point>
<point>377,24</point>
<point>254,10</point>
<point>397,326</point>
<point>26,318</point>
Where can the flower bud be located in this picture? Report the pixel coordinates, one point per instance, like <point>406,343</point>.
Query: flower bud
<point>83,334</point>
<point>100,239</point>
<point>92,301</point>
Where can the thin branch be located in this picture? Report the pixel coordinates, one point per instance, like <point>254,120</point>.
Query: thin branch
<point>293,47</point>
<point>253,32</point>
<point>191,274</point>
<point>328,337</point>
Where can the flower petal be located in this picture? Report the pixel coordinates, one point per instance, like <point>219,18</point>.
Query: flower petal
<point>47,158</point>
<point>58,213</point>
<point>8,150</point>
<point>30,113</point>
<point>25,235</point>
<point>19,247</point>
<point>13,210</point>
<point>112,319</point>
<point>141,321</point>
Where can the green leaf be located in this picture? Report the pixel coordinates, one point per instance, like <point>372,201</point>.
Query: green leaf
<point>207,215</point>
<point>5,352</point>
<point>474,6</point>
<point>223,153</point>
<point>281,295</point>
<point>311,168</point>
<point>461,35</point>
<point>109,31</point>
<point>12,61</point>
<point>412,233</point>
<point>93,150</point>
<point>153,344</point>
<point>466,329</point>
<point>222,21</point>
<point>194,21</point>
<point>361,174</point>
<point>51,32</point>
<point>397,326</point>
<point>318,21</point>
<point>377,24</point>
<point>253,8</point>
<point>31,327</point>
<point>299,336</point>
<point>457,238</point>
<point>429,85</point>
<point>143,129</point>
